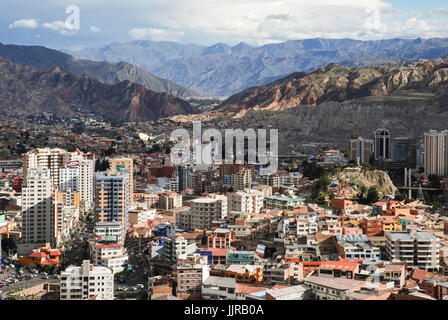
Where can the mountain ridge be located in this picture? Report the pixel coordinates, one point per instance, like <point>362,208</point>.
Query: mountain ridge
<point>110,73</point>
<point>223,70</point>
<point>27,90</point>
<point>337,83</point>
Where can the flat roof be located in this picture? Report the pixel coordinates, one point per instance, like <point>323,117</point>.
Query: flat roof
<point>220,281</point>
<point>336,283</point>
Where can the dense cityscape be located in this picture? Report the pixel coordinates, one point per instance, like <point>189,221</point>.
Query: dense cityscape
<point>208,159</point>
<point>114,224</point>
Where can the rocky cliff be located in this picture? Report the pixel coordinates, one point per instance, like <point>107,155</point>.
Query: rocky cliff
<point>377,178</point>
<point>337,83</point>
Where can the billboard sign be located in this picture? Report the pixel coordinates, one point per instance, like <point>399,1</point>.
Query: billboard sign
<point>107,238</point>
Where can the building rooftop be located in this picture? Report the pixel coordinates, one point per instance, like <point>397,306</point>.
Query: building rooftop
<point>278,293</point>
<point>335,283</point>
<point>400,235</point>
<point>220,281</point>
<point>339,265</point>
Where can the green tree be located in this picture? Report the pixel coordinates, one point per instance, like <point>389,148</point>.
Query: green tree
<point>400,196</point>
<point>372,195</point>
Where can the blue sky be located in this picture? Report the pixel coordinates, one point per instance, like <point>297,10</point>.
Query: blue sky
<point>257,22</point>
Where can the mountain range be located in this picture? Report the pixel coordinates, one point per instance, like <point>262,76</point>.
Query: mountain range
<point>223,70</point>
<point>338,83</point>
<point>27,90</point>
<point>110,73</point>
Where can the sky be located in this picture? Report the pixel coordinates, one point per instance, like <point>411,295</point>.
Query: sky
<point>76,24</point>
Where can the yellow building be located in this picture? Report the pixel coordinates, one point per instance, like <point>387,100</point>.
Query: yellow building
<point>391,223</point>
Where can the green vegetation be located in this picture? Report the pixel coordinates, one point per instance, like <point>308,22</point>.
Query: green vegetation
<point>400,197</point>
<point>371,197</point>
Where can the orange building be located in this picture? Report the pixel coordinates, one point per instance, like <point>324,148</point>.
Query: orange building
<point>339,269</point>
<point>245,273</point>
<point>339,205</point>
<point>372,227</point>
<point>42,256</point>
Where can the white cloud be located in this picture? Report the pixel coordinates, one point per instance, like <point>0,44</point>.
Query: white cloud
<point>94,29</point>
<point>60,27</point>
<point>436,12</point>
<point>24,23</point>
<point>154,33</point>
<point>260,21</point>
<point>251,21</point>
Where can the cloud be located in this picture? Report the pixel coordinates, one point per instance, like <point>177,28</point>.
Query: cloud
<point>262,21</point>
<point>60,27</point>
<point>24,23</point>
<point>94,29</point>
<point>436,12</point>
<point>256,22</point>
<point>154,33</point>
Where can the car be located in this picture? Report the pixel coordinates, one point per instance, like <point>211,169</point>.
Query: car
<point>140,286</point>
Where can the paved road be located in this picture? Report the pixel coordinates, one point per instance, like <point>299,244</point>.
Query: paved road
<point>134,248</point>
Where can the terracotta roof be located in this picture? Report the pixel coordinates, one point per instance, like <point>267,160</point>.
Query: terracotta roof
<point>248,289</point>
<point>393,267</point>
<point>418,274</point>
<point>38,255</point>
<point>339,265</point>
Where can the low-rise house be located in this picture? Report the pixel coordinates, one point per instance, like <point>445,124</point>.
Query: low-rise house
<point>219,288</point>
<point>332,288</point>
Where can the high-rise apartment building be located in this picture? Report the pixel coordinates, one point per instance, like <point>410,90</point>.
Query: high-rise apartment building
<point>248,200</point>
<point>205,210</point>
<point>416,249</point>
<point>86,281</point>
<point>125,164</point>
<point>169,200</point>
<point>435,154</point>
<point>47,158</point>
<point>37,212</point>
<point>382,144</point>
<point>78,175</point>
<point>242,179</point>
<point>112,198</point>
<point>360,149</point>
<point>272,180</point>
<point>68,179</point>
